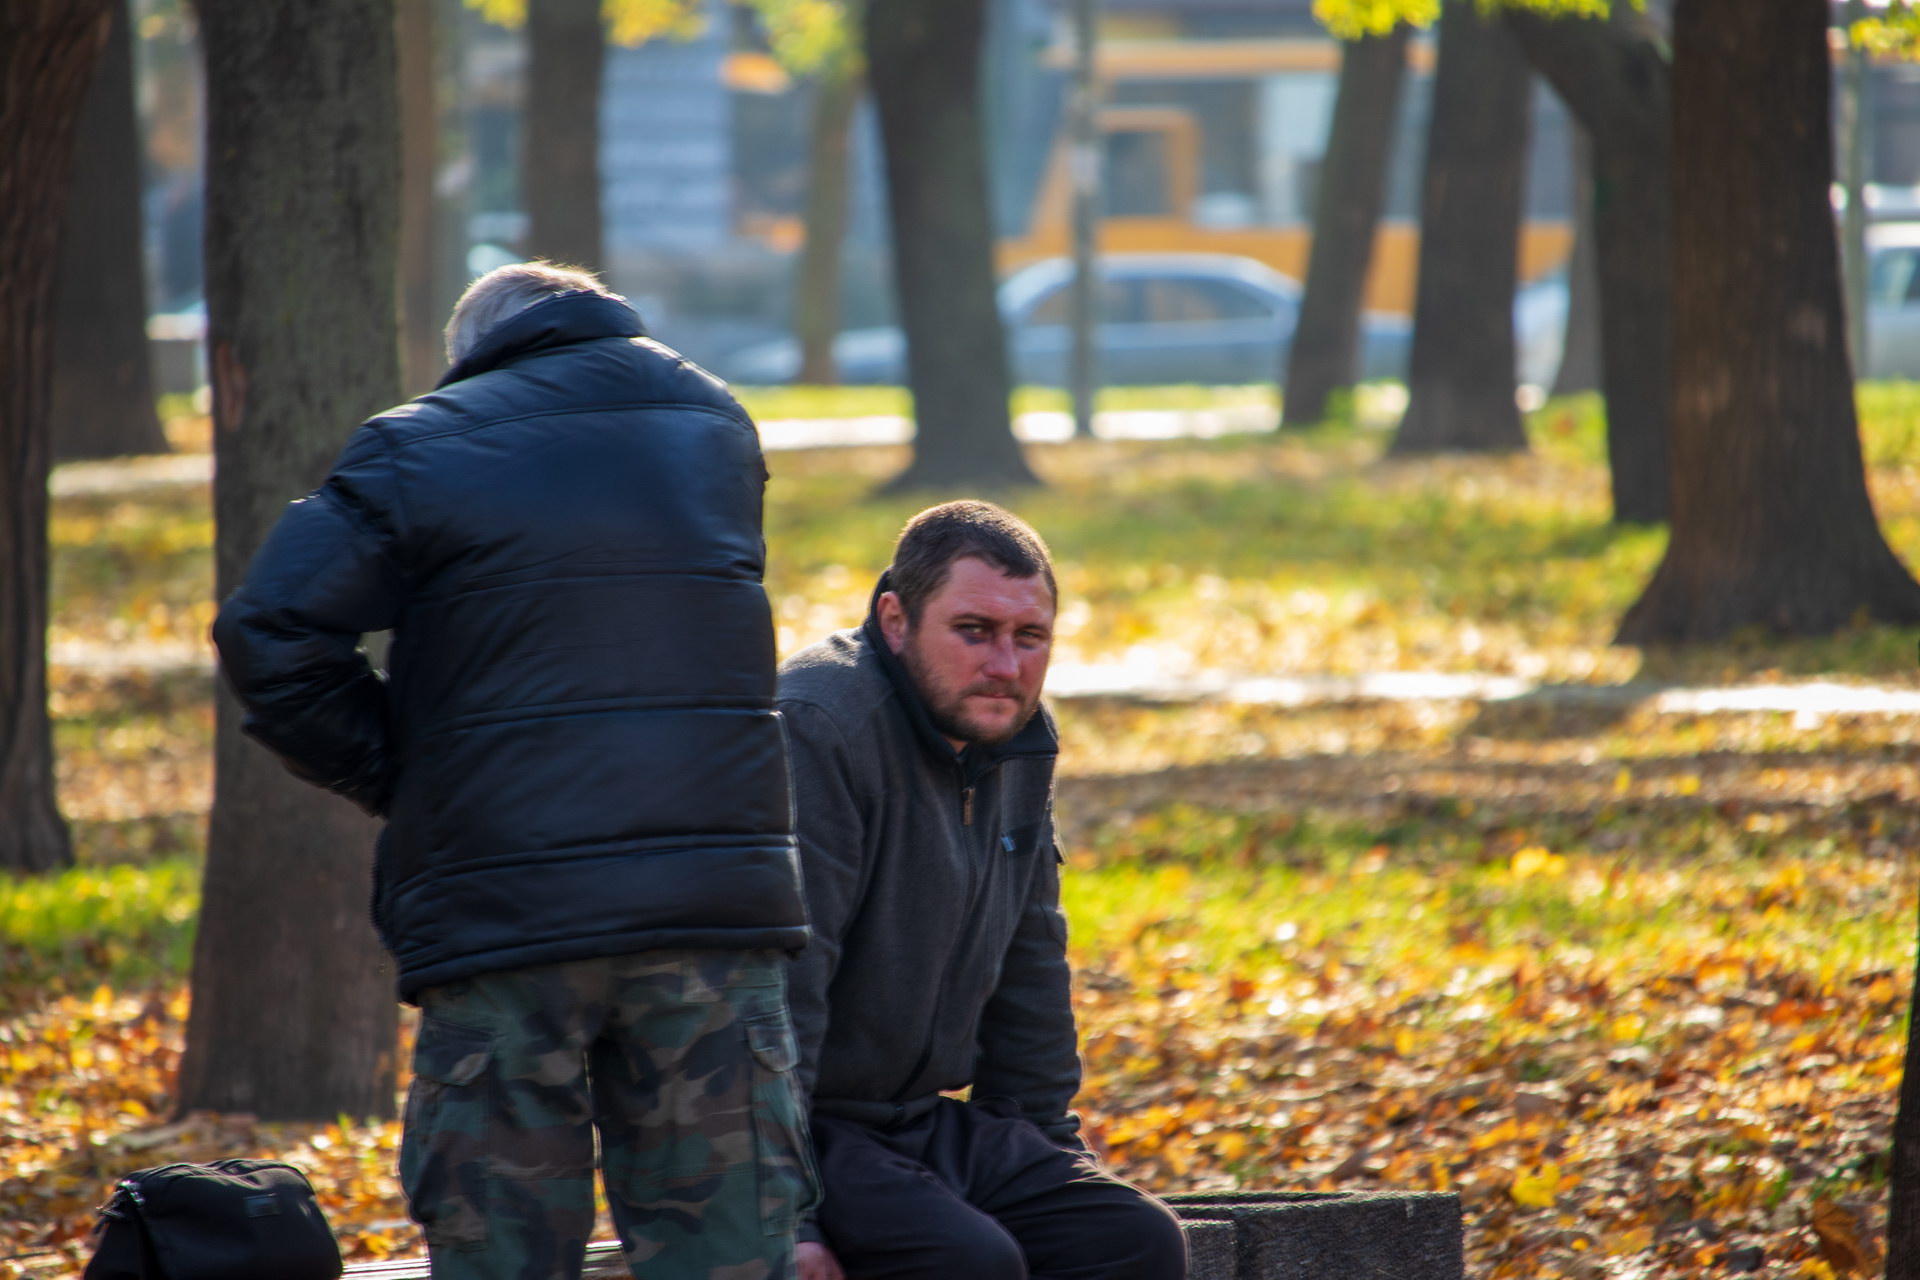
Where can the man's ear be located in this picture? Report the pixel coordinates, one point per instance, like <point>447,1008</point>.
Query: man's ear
<point>893,620</point>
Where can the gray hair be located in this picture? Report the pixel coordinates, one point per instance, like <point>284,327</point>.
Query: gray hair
<point>506,291</point>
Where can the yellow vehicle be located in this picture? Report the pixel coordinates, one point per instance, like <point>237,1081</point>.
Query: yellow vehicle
<point>1154,152</point>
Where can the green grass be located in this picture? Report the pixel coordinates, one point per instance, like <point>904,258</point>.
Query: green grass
<point>1221,890</point>
<point>134,566</point>
<point>1890,422</point>
<point>1309,553</point>
<point>1305,553</point>
<point>1260,554</point>
<point>120,925</point>
<point>1228,549</point>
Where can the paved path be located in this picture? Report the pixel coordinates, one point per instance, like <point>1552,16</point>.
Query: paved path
<point>133,474</point>
<point>1136,424</point>
<point>1810,697</point>
<point>1080,680</point>
<point>1070,680</point>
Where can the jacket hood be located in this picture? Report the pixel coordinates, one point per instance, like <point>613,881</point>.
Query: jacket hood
<point>1036,738</point>
<point>565,318</point>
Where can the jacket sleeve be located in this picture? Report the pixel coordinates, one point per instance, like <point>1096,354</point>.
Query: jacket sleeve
<point>289,637</point>
<point>830,823</point>
<point>1028,1053</point>
<point>831,829</point>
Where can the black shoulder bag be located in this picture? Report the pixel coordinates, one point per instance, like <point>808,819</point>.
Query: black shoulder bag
<point>229,1220</point>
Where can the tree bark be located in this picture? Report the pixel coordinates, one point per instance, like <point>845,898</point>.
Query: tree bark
<point>1323,358</point>
<point>292,1016</point>
<point>1461,381</point>
<point>453,182</point>
<point>48,50</point>
<point>1855,128</point>
<point>1772,523</point>
<point>1580,352</point>
<point>103,404</point>
<point>923,61</point>
<point>422,353</point>
<point>560,132</point>
<point>1615,78</point>
<point>816,276</point>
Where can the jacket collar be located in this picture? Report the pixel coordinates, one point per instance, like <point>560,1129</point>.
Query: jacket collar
<point>1037,738</point>
<point>552,322</point>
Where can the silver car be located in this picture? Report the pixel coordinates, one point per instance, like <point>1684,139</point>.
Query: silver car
<point>1164,318</point>
<point>1893,301</point>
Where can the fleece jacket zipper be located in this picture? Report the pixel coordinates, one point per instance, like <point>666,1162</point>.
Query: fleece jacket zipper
<point>974,878</point>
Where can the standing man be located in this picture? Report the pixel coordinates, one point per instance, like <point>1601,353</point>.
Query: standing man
<point>587,877</point>
<point>923,772</point>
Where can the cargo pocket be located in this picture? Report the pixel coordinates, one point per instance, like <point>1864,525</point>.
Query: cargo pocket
<point>783,1151</point>
<point>443,1144</point>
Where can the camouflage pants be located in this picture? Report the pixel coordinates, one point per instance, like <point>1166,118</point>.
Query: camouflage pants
<point>683,1061</point>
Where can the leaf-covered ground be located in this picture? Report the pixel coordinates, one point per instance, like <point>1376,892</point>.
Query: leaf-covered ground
<point>1633,984</point>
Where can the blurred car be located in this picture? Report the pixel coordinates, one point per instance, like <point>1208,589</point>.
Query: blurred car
<point>1893,301</point>
<point>1540,330</point>
<point>1164,318</point>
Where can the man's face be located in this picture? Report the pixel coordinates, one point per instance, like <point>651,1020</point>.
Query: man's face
<point>979,653</point>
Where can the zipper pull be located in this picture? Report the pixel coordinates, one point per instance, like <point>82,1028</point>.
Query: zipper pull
<point>966,806</point>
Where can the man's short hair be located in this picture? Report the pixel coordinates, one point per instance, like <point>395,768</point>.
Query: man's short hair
<point>934,539</point>
<point>505,292</point>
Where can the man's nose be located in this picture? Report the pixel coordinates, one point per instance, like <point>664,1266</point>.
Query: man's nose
<point>1002,662</point>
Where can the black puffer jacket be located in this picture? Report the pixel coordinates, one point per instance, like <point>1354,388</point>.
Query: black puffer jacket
<point>575,749</point>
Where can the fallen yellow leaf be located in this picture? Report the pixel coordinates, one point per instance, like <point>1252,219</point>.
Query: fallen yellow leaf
<point>1536,1188</point>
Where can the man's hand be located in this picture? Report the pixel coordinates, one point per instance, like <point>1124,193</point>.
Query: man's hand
<point>816,1262</point>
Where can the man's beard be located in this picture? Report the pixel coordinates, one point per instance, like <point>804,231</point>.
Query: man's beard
<point>947,707</point>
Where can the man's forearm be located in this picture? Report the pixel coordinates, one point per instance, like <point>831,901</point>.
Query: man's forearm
<point>289,643</point>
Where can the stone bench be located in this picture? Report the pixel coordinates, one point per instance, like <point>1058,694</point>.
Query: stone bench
<point>1323,1235</point>
<point>1240,1235</point>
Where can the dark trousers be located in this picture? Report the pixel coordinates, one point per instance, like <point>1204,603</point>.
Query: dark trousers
<point>963,1193</point>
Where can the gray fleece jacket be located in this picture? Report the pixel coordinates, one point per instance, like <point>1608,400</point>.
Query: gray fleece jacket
<point>938,959</point>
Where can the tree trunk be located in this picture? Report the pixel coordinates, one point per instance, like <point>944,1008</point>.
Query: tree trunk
<point>453,182</point>
<point>292,1016</point>
<point>1633,224</point>
<point>1772,524</point>
<point>1855,128</point>
<point>816,277</point>
<point>103,404</point>
<point>1903,1176</point>
<point>48,49</point>
<point>1461,381</point>
<point>422,353</point>
<point>1616,80</point>
<point>560,132</point>
<point>1323,359</point>
<point>924,64</point>
<point>1580,353</point>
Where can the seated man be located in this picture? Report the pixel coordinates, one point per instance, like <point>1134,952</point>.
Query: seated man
<point>923,771</point>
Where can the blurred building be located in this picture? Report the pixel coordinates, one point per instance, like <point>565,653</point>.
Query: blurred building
<point>1214,123</point>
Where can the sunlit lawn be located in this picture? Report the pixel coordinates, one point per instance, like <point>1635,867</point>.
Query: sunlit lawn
<point>1633,984</point>
<point>1251,554</point>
